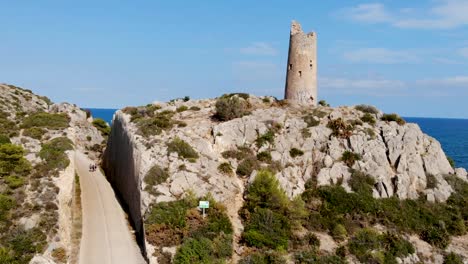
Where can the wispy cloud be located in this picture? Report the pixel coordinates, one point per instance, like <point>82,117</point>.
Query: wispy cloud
<point>444,14</point>
<point>260,48</point>
<point>464,52</point>
<point>448,86</point>
<point>370,13</point>
<point>380,55</point>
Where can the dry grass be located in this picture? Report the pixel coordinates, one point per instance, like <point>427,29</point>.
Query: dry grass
<point>77,221</point>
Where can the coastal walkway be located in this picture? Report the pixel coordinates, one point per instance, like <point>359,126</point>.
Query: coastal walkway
<point>106,235</point>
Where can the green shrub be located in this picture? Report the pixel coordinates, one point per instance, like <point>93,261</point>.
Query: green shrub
<point>171,214</point>
<point>12,161</point>
<point>369,109</point>
<point>225,168</point>
<point>264,156</point>
<point>195,108</point>
<point>182,148</point>
<point>194,251</point>
<point>451,161</point>
<point>340,128</point>
<point>267,229</point>
<point>25,244</point>
<point>222,246</point>
<point>268,137</point>
<point>247,166</point>
<point>34,132</point>
<point>53,153</point>
<point>263,258</point>
<point>361,183</point>
<point>265,192</point>
<point>228,108</point>
<point>102,126</point>
<point>6,203</point>
<point>46,120</point>
<point>350,158</point>
<point>266,100</point>
<point>393,117</point>
<point>311,120</point>
<point>431,181</point>
<point>181,109</point>
<point>156,175</point>
<point>368,118</point>
<point>436,235</point>
<point>323,103</point>
<point>150,124</point>
<point>339,232</point>
<point>239,154</point>
<point>14,182</point>
<point>4,139</point>
<point>364,241</point>
<point>306,133</point>
<point>311,256</point>
<point>453,258</point>
<point>294,152</point>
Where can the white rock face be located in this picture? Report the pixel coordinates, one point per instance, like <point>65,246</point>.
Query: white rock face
<point>398,157</point>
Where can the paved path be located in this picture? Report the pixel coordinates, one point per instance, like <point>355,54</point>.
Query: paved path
<point>106,235</point>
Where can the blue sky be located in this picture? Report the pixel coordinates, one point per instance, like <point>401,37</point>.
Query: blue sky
<point>409,57</point>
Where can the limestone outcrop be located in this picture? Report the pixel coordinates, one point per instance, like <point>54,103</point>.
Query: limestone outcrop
<point>302,145</point>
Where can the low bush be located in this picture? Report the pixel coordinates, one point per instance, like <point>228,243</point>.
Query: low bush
<point>361,183</point>
<point>228,108</point>
<point>393,118</point>
<point>204,240</point>
<point>367,109</point>
<point>14,182</point>
<point>195,108</point>
<point>313,119</point>
<point>431,181</point>
<point>34,132</point>
<point>368,118</point>
<point>247,166</point>
<point>451,161</point>
<point>264,156</point>
<point>267,228</point>
<point>268,137</point>
<point>225,168</point>
<point>239,154</point>
<point>181,109</point>
<point>156,175</point>
<point>6,203</point>
<point>60,255</point>
<point>53,153</point>
<point>453,258</point>
<point>339,232</point>
<point>267,257</point>
<point>4,139</point>
<point>323,103</point>
<point>340,128</point>
<point>350,158</point>
<point>311,256</point>
<point>294,152</point>
<point>12,161</point>
<point>102,126</point>
<point>368,246</point>
<point>151,124</point>
<point>182,148</point>
<point>46,120</point>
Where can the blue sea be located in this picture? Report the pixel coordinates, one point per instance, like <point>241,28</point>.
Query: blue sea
<point>451,133</point>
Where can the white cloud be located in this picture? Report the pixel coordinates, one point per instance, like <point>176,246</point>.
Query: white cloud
<point>445,14</point>
<point>380,55</point>
<point>375,87</point>
<point>371,13</point>
<point>260,48</point>
<point>457,82</point>
<point>464,52</point>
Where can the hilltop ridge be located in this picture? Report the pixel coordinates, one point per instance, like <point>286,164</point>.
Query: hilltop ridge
<point>160,154</point>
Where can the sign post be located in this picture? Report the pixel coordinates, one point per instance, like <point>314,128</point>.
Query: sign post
<point>204,205</point>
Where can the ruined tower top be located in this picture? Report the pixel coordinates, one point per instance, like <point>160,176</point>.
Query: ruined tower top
<point>301,74</point>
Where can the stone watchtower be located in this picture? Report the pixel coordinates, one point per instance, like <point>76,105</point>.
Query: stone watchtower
<point>301,76</point>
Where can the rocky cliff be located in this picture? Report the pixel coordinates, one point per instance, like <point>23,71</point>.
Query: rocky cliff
<point>192,151</point>
<point>38,139</point>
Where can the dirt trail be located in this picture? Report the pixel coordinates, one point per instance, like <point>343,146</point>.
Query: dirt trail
<point>106,235</point>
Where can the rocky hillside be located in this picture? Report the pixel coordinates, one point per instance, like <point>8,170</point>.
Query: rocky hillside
<point>297,184</point>
<point>37,142</point>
